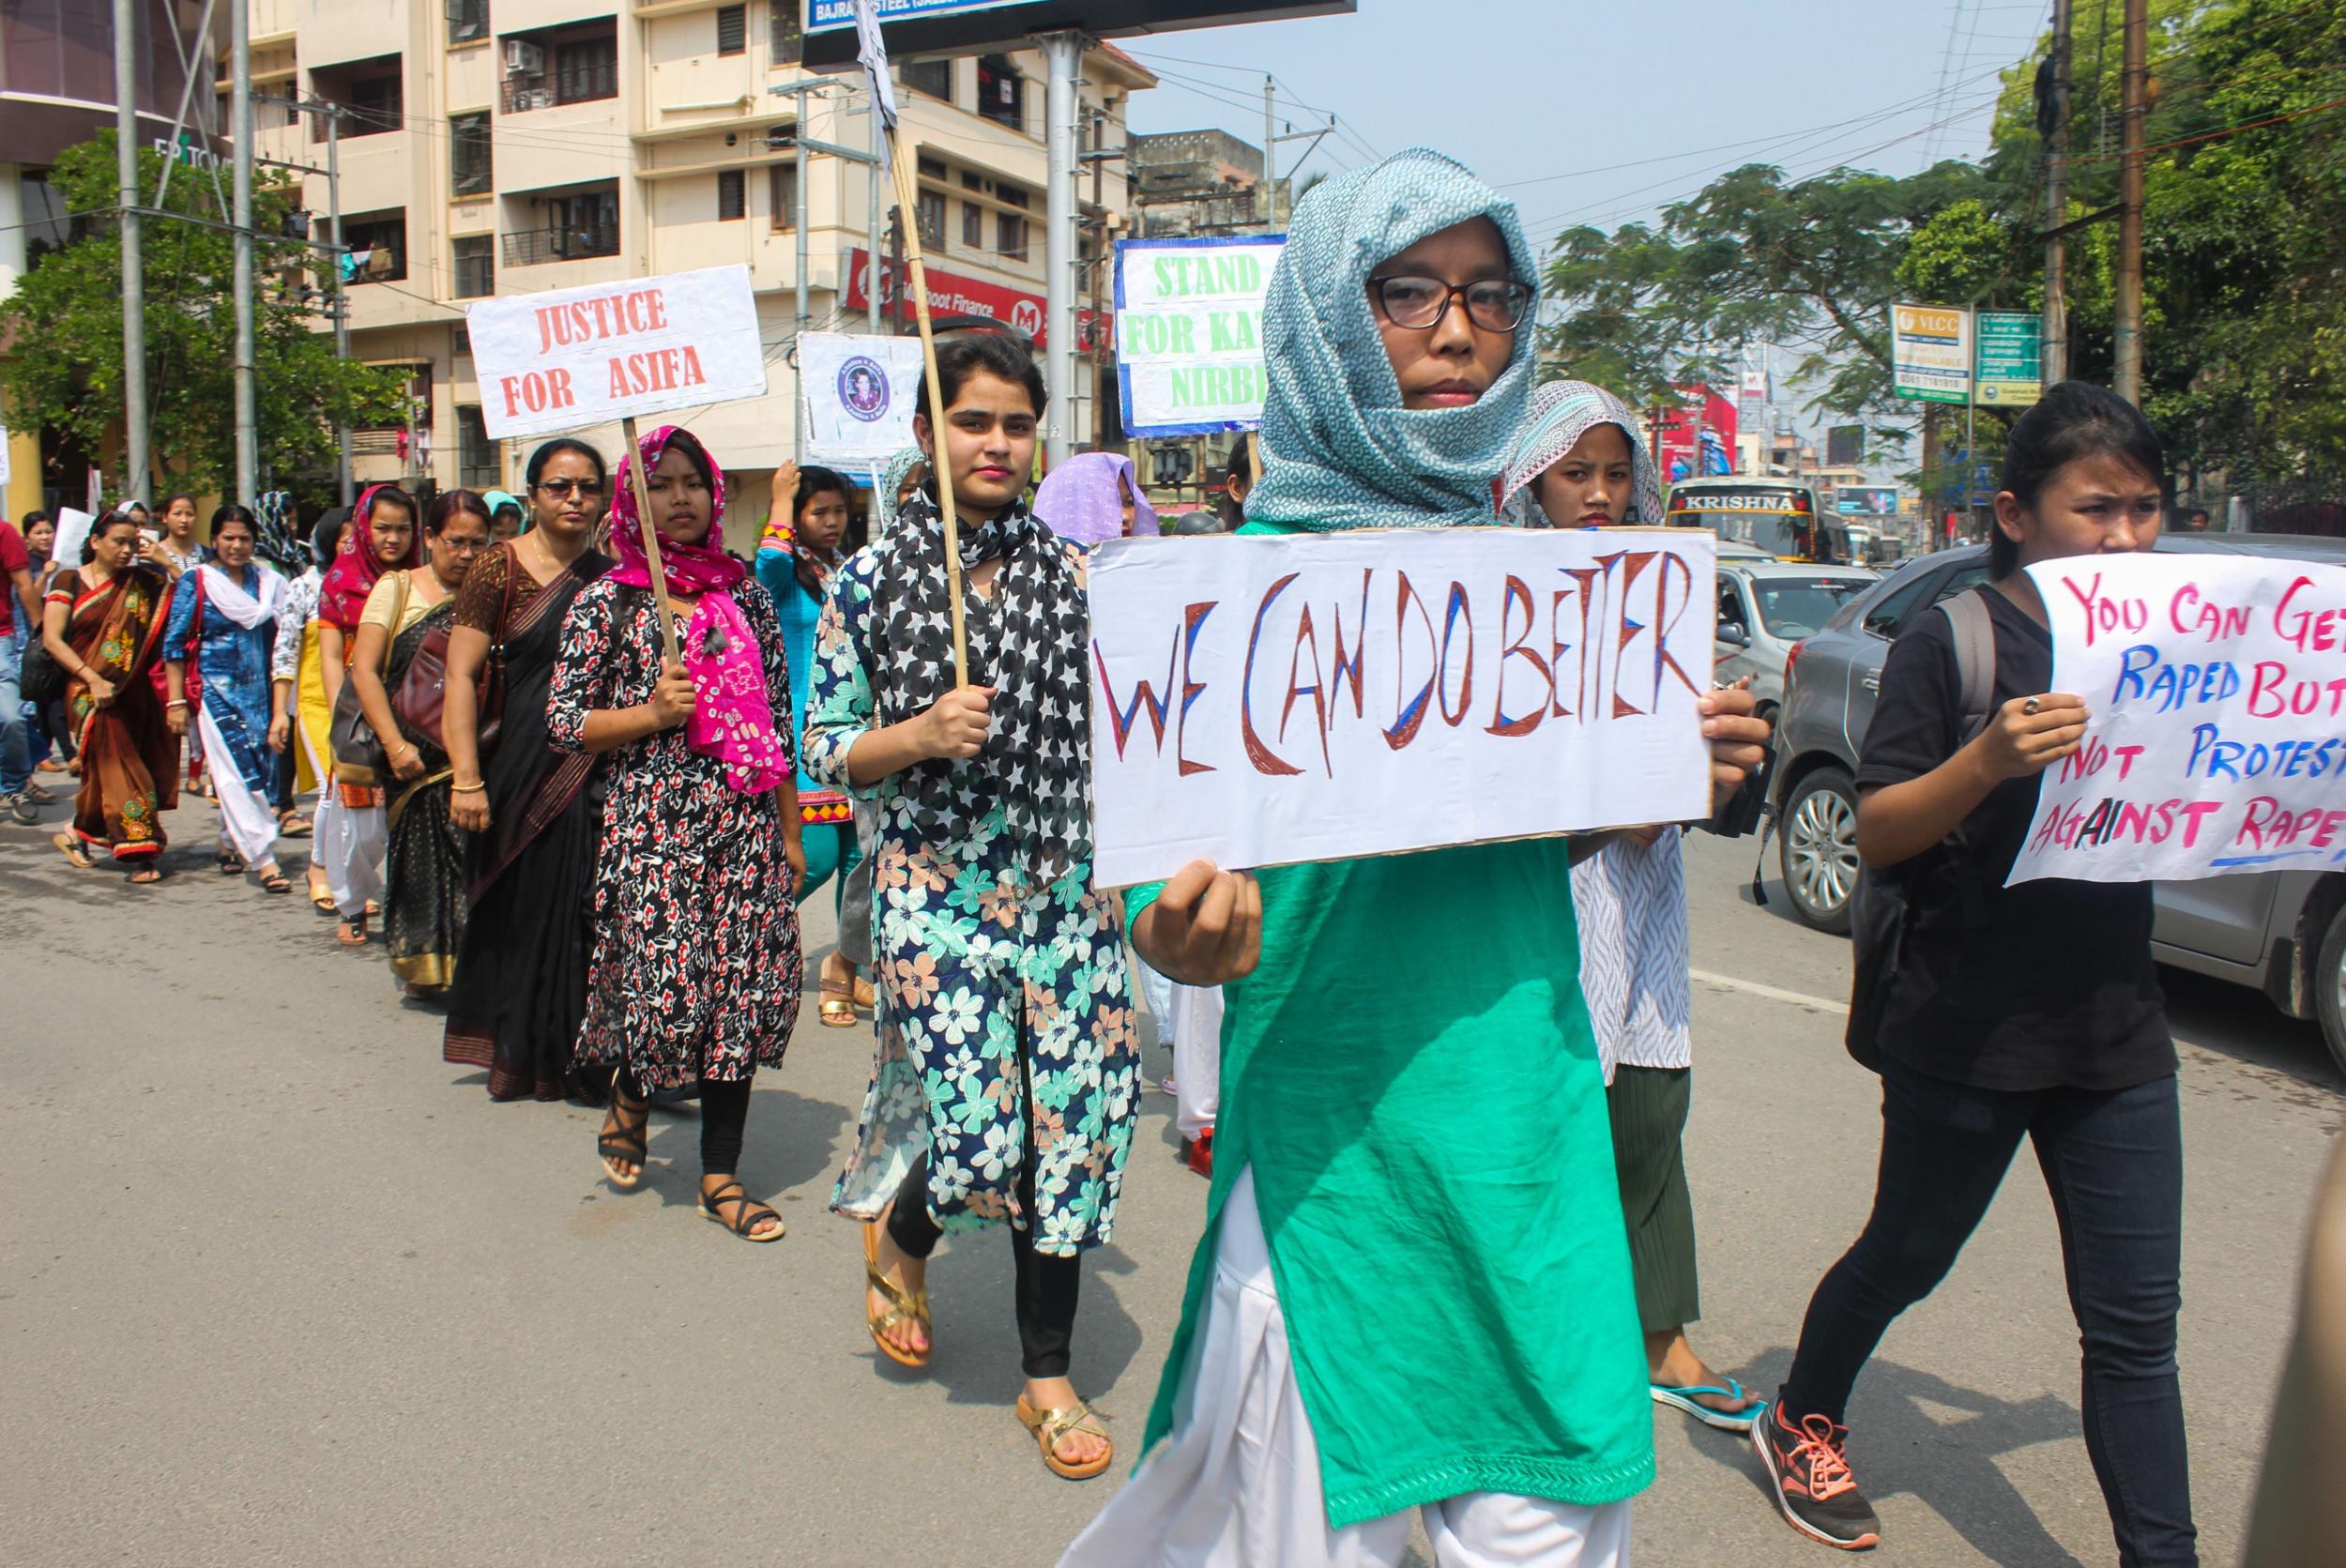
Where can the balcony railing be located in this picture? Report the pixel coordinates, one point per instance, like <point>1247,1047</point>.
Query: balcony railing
<point>578,82</point>
<point>528,247</point>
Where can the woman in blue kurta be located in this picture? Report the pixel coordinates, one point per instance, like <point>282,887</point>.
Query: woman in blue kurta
<point>809,533</point>
<point>223,621</point>
<point>1009,1062</point>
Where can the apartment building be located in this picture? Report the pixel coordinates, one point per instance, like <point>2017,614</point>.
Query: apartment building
<point>505,146</point>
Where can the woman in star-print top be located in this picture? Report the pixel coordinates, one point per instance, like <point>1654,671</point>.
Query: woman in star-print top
<point>1008,1063</point>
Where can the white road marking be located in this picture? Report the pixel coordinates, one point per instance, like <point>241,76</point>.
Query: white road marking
<point>1774,992</point>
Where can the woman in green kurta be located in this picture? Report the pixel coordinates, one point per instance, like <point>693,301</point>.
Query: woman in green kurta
<point>1414,1284</point>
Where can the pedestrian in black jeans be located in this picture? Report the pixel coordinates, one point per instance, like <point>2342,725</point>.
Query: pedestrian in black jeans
<point>2026,1012</point>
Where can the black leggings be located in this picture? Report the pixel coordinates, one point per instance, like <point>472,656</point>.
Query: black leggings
<point>1046,1287</point>
<point>2114,1162</point>
<point>724,1116</point>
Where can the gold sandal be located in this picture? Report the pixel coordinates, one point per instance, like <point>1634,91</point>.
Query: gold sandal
<point>1049,1426</point>
<point>838,1007</point>
<point>904,1306</point>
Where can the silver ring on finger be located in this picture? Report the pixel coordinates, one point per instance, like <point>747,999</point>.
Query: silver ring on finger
<point>2031,707</point>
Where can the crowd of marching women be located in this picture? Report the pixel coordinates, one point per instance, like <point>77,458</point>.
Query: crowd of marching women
<point>580,788</point>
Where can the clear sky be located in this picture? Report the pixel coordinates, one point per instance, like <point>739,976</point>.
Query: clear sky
<point>1548,99</point>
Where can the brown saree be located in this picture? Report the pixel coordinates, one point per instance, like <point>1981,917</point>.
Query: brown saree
<point>130,758</point>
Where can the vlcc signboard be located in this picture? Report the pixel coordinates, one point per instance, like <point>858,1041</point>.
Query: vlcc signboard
<point>932,27</point>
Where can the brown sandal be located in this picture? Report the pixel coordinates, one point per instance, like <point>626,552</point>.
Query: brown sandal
<point>73,852</point>
<point>903,1306</point>
<point>1050,1427</point>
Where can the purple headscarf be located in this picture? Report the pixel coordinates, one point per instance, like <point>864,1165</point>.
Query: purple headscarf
<point>1083,503</point>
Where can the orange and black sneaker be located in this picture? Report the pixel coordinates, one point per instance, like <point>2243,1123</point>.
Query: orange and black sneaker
<point>1808,1473</point>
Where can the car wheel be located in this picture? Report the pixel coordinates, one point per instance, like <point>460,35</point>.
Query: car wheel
<point>1818,849</point>
<point>2329,988</point>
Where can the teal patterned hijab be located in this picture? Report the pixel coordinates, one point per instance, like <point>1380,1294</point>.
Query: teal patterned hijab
<point>884,501</point>
<point>1339,450</point>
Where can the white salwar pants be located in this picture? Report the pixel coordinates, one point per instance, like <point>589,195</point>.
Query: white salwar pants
<point>351,842</point>
<point>248,824</point>
<point>1237,1484</point>
<point>1190,1017</point>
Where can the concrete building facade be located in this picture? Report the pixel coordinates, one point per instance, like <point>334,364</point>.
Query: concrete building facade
<point>506,147</point>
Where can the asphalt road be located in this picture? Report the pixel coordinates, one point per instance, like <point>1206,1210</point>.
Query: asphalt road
<point>277,1286</point>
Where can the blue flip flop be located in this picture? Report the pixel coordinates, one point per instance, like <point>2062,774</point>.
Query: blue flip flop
<point>1725,1421</point>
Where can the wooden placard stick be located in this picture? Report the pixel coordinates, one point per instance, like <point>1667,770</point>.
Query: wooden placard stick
<point>671,652</point>
<point>940,471</point>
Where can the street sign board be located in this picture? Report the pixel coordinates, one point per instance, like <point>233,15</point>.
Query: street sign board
<point>1930,353</point>
<point>1189,332</point>
<point>2010,358</point>
<point>915,28</point>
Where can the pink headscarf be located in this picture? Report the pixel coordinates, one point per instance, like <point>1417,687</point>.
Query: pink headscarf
<point>353,573</point>
<point>1083,499</point>
<point>734,721</point>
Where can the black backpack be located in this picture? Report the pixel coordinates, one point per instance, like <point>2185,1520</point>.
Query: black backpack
<point>1880,909</point>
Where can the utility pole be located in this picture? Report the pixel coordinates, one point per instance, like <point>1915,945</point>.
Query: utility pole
<point>2055,347</point>
<point>247,392</point>
<point>1269,157</point>
<point>333,113</point>
<point>133,262</point>
<point>872,231</point>
<point>2135,70</point>
<point>798,92</point>
<point>1063,56</point>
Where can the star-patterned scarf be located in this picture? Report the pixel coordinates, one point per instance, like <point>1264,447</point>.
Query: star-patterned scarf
<point>1035,758</point>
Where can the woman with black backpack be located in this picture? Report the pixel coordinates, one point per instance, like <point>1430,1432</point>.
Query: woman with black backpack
<point>2032,1010</point>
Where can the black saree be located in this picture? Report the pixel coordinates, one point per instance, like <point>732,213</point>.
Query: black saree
<point>424,897</point>
<point>521,978</point>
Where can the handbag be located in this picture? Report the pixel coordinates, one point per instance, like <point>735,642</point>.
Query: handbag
<point>40,679</point>
<point>360,757</point>
<point>422,693</point>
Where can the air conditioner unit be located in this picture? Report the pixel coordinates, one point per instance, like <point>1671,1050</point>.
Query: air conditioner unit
<point>537,98</point>
<point>523,58</point>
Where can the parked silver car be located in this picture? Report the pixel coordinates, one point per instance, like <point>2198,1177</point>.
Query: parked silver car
<point>1765,607</point>
<point>2283,931</point>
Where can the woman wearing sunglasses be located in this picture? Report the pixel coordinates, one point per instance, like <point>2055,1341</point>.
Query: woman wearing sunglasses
<point>533,812</point>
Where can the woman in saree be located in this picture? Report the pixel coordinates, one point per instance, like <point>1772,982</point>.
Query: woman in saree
<point>1373,1129</point>
<point>102,621</point>
<point>424,890</point>
<point>217,638</point>
<point>694,977</point>
<point>350,828</point>
<point>533,812</point>
<point>1006,1085</point>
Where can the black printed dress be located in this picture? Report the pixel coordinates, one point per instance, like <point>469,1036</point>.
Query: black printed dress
<point>695,967</point>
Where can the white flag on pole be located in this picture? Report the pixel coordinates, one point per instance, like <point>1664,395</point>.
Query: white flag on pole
<point>871,51</point>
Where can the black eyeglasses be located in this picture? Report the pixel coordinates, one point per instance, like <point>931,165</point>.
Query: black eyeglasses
<point>1495,304</point>
<point>560,489</point>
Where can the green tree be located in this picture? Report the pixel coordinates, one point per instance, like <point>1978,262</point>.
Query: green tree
<point>65,373</point>
<point>1751,260</point>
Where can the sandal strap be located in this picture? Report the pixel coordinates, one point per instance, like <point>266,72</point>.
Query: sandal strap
<point>1079,1417</point>
<point>747,1216</point>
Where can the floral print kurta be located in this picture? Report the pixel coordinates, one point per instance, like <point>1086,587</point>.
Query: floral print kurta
<point>695,968</point>
<point>992,991</point>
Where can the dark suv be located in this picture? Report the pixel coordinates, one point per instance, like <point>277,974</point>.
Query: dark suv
<point>2283,931</point>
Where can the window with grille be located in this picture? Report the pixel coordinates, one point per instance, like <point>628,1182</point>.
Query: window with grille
<point>587,69</point>
<point>1002,91</point>
<point>972,225</point>
<point>733,29</point>
<point>469,166</point>
<point>781,193</point>
<point>933,77</point>
<point>732,195</point>
<point>1009,232</point>
<point>467,21</point>
<point>476,465</point>
<point>932,216</point>
<point>374,105</point>
<point>476,266</point>
<point>785,43</point>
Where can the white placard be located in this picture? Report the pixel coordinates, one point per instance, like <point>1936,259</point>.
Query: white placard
<point>570,358</point>
<point>2215,687</point>
<point>1189,357</point>
<point>72,530</point>
<point>4,455</point>
<point>859,394</point>
<point>1265,700</point>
